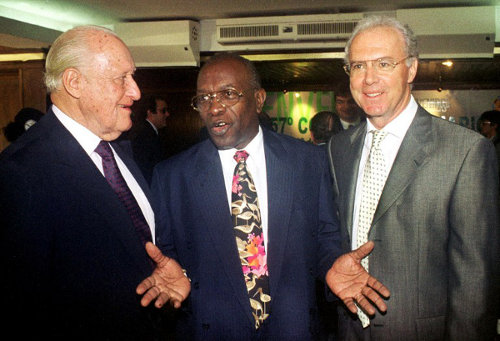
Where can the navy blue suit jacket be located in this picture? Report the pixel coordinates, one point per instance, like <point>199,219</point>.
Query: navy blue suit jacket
<point>194,226</point>
<point>70,255</point>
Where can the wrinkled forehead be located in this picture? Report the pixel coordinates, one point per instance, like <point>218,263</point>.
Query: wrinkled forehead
<point>383,41</point>
<point>109,53</point>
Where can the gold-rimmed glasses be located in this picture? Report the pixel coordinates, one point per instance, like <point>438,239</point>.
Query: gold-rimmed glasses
<point>226,98</point>
<point>381,65</point>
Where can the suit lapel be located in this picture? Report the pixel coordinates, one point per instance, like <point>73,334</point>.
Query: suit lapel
<point>208,184</point>
<point>280,188</point>
<point>351,170</point>
<point>411,155</point>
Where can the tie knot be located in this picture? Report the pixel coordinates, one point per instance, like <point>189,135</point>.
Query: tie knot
<point>378,136</point>
<point>240,156</point>
<point>104,150</point>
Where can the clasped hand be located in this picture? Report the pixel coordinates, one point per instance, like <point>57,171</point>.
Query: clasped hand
<point>353,284</point>
<point>166,284</point>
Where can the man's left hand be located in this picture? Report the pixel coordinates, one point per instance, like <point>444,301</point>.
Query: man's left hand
<point>167,283</point>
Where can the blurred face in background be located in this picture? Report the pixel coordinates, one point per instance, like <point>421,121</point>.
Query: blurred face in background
<point>346,108</point>
<point>159,117</point>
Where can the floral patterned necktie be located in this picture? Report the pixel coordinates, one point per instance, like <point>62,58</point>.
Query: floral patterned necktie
<point>250,238</point>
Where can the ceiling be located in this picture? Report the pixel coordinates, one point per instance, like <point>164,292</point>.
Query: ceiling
<point>33,25</point>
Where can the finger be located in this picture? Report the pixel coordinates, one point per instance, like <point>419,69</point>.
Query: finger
<point>161,300</point>
<point>149,296</point>
<point>171,296</point>
<point>365,305</point>
<point>154,252</point>
<point>144,286</point>
<point>349,303</point>
<point>379,287</point>
<point>375,299</point>
<point>363,251</point>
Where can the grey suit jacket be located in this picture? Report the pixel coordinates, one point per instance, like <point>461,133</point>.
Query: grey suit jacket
<point>435,231</point>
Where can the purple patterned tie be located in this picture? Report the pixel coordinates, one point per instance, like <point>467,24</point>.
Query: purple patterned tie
<point>117,182</point>
<point>250,239</point>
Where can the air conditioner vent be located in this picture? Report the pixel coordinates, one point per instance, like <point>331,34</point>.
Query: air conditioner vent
<point>249,31</point>
<point>326,28</point>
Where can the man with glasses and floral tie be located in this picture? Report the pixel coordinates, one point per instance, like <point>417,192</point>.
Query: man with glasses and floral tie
<point>248,214</point>
<point>424,190</point>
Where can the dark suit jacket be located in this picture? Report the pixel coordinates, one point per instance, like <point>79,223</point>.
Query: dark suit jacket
<point>195,226</point>
<point>70,256</point>
<point>435,231</point>
<point>146,146</point>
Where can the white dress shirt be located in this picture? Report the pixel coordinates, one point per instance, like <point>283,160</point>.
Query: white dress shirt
<point>396,131</point>
<point>256,164</point>
<point>89,141</point>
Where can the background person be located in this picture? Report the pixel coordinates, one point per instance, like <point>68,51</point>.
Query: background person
<point>144,135</point>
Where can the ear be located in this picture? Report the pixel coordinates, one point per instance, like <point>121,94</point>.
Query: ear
<point>412,70</point>
<point>72,81</point>
<point>260,98</point>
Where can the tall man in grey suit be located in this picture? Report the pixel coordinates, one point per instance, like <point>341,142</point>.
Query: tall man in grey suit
<point>435,226</point>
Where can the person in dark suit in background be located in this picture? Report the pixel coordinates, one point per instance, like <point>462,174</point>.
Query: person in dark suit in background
<point>71,251</point>
<point>347,112</point>
<point>424,190</point>
<point>489,124</point>
<point>144,135</point>
<point>252,242</point>
<point>320,127</point>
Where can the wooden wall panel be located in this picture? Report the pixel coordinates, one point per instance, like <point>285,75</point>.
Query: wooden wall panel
<point>11,99</point>
<point>21,85</point>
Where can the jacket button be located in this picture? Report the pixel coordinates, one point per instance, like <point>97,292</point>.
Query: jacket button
<point>205,326</point>
<point>196,285</point>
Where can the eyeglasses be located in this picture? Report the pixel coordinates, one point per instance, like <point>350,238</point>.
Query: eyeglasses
<point>162,110</point>
<point>226,98</point>
<point>381,65</point>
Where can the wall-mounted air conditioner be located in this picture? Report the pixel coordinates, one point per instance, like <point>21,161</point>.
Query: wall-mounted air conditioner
<point>328,27</point>
<point>456,32</point>
<point>162,43</point>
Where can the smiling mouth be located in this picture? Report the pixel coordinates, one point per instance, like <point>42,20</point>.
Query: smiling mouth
<point>373,94</point>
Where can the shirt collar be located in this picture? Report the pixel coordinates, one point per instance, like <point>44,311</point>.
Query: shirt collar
<point>399,125</point>
<point>254,148</point>
<point>152,125</point>
<point>87,139</point>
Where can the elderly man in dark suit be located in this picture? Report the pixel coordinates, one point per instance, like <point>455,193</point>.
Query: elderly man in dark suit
<point>424,190</point>
<point>75,212</point>
<point>248,213</point>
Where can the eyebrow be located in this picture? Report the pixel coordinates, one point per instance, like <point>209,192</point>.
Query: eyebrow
<point>223,87</point>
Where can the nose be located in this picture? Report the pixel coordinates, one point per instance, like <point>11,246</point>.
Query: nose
<point>216,106</point>
<point>133,89</point>
<point>371,74</point>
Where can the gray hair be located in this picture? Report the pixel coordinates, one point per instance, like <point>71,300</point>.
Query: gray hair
<point>384,21</point>
<point>254,75</point>
<point>70,49</point>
